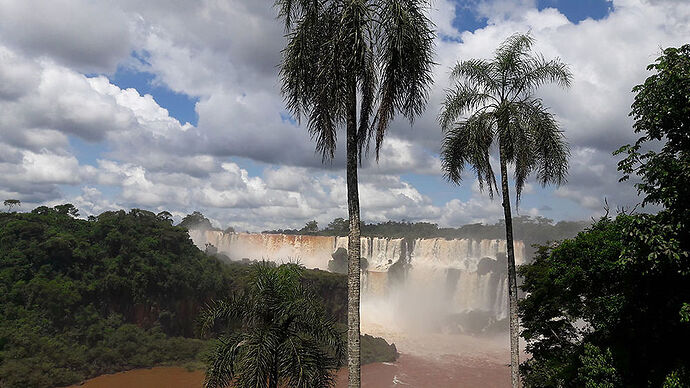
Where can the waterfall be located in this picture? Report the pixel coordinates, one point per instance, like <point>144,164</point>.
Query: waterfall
<point>444,281</point>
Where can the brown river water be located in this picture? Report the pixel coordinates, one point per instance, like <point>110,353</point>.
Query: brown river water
<point>408,371</point>
<point>438,361</point>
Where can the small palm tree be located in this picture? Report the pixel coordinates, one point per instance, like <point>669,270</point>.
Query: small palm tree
<point>276,334</point>
<point>498,95</point>
<point>350,58</point>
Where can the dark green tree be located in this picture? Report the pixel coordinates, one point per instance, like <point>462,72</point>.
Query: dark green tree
<point>604,307</point>
<point>165,216</point>
<point>311,227</point>
<point>10,203</point>
<point>611,305</point>
<point>68,209</point>
<point>277,334</point>
<point>196,220</point>
<point>498,96</point>
<point>338,227</point>
<point>345,58</point>
<point>661,111</point>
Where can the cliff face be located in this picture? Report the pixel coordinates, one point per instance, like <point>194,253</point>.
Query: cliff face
<point>433,278</point>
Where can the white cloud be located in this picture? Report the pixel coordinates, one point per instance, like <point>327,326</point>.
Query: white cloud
<point>88,35</point>
<point>225,54</point>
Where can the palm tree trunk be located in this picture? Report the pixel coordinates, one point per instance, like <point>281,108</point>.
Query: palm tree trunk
<point>353,243</point>
<point>512,281</point>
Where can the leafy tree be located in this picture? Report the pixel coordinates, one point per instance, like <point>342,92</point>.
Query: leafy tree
<point>312,227</point>
<point>81,298</point>
<point>165,216</point>
<point>196,220</point>
<point>338,227</point>
<point>67,208</point>
<point>350,57</point>
<point>284,338</point>
<point>662,113</point>
<point>624,283</point>
<point>597,368</point>
<point>10,203</point>
<point>605,290</point>
<point>498,95</point>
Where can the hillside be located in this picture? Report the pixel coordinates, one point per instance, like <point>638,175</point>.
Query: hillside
<point>79,298</point>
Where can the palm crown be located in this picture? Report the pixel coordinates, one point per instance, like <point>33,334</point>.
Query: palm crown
<point>276,334</point>
<point>498,95</point>
<point>340,50</point>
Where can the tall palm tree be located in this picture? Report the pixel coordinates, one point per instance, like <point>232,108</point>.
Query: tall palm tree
<point>350,58</point>
<point>493,102</point>
<point>275,335</point>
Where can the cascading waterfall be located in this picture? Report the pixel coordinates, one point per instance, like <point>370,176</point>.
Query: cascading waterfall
<point>435,282</point>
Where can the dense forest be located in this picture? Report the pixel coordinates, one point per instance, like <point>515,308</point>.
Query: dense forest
<point>611,307</point>
<point>121,290</point>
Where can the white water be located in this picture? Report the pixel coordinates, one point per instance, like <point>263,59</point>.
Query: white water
<point>434,279</point>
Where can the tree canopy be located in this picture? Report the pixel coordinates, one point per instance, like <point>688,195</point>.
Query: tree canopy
<point>610,307</point>
<point>80,298</point>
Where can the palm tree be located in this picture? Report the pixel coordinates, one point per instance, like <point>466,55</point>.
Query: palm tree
<point>276,334</point>
<point>350,58</point>
<point>498,96</point>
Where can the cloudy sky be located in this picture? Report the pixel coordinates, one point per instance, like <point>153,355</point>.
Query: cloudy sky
<point>175,105</point>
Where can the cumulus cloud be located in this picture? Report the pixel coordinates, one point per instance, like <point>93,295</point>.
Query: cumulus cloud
<point>55,56</point>
<point>88,35</point>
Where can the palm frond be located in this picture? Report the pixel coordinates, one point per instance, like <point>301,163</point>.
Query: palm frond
<point>222,363</point>
<point>551,150</point>
<point>469,143</point>
<point>406,50</point>
<point>479,74</point>
<point>511,54</point>
<point>540,72</point>
<point>222,312</point>
<point>459,101</point>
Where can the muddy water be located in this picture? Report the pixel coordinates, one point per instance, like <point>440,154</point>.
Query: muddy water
<point>159,377</point>
<point>447,371</point>
<point>408,371</point>
<point>426,360</point>
<point>442,372</point>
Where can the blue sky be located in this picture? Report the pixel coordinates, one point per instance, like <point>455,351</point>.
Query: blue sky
<point>177,107</point>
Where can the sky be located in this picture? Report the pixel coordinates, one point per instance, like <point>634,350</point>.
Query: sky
<point>175,105</point>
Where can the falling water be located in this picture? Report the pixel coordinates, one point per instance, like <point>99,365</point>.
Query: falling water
<point>431,283</point>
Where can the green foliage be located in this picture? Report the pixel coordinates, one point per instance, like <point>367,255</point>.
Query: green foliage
<point>312,227</point>
<point>196,220</point>
<point>80,298</point>
<point>685,313</point>
<point>376,349</point>
<point>597,370</point>
<point>678,378</point>
<point>607,287</point>
<point>275,334</point>
<point>10,203</point>
<point>662,113</point>
<point>338,227</point>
